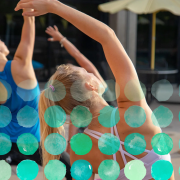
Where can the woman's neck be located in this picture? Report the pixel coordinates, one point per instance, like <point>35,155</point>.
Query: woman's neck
<point>95,110</point>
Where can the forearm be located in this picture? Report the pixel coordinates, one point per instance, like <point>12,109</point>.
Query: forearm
<point>88,25</point>
<point>26,46</point>
<point>70,48</point>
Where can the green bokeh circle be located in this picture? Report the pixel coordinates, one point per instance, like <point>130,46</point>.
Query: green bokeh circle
<point>135,116</point>
<point>105,117</point>
<point>162,144</point>
<point>55,170</point>
<point>55,116</point>
<point>108,144</point>
<point>5,170</point>
<point>135,144</point>
<point>162,117</point>
<point>5,144</point>
<point>135,170</point>
<point>161,169</point>
<point>109,170</point>
<point>81,144</point>
<point>55,144</point>
<point>27,144</point>
<point>27,170</point>
<point>81,116</point>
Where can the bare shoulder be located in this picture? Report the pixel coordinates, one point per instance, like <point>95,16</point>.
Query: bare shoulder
<point>23,72</point>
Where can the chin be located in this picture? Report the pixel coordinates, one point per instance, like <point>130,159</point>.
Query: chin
<point>7,53</point>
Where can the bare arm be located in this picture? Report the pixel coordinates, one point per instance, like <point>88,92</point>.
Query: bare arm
<point>25,49</point>
<point>116,56</point>
<point>75,53</point>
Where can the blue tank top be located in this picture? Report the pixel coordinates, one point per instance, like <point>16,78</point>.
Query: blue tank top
<point>22,103</point>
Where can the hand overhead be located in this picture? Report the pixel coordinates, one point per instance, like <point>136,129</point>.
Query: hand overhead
<point>54,32</point>
<point>40,6</point>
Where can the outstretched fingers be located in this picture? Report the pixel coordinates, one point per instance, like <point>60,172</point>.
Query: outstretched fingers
<point>56,28</point>
<point>50,28</point>
<point>48,32</point>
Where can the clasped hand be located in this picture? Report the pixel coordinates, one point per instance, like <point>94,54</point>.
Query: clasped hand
<point>40,7</point>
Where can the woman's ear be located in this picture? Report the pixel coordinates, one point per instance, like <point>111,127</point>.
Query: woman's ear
<point>90,87</point>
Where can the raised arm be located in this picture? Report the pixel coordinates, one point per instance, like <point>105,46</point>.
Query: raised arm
<point>25,49</point>
<point>116,56</point>
<point>74,52</point>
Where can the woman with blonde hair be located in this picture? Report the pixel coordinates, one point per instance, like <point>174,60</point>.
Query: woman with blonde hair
<point>83,62</point>
<point>75,92</point>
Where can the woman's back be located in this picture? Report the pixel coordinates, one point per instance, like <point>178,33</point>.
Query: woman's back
<point>121,130</point>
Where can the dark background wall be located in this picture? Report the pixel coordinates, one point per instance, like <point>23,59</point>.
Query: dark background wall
<point>51,54</point>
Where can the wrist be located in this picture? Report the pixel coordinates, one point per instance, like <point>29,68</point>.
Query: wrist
<point>60,38</point>
<point>51,5</point>
<point>31,19</point>
<point>61,41</point>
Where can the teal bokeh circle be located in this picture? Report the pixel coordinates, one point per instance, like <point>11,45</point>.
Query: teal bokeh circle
<point>135,116</point>
<point>135,144</point>
<point>27,117</point>
<point>5,116</point>
<point>55,116</point>
<point>5,144</point>
<point>55,144</point>
<point>109,170</point>
<point>162,144</point>
<point>161,169</point>
<point>27,170</point>
<point>81,116</point>
<point>55,170</point>
<point>108,144</point>
<point>162,117</point>
<point>81,170</point>
<point>27,144</point>
<point>109,116</point>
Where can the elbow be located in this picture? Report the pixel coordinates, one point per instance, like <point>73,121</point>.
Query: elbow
<point>109,34</point>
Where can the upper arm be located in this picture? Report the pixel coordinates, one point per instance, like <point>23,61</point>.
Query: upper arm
<point>121,66</point>
<point>25,48</point>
